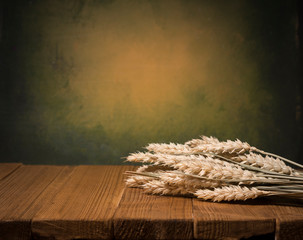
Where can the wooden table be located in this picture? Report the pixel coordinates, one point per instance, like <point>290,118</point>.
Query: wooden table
<point>91,202</point>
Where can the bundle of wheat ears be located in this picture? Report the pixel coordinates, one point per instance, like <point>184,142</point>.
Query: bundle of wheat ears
<point>212,170</point>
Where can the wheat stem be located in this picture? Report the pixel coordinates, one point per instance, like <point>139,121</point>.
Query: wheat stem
<point>281,190</point>
<point>280,177</point>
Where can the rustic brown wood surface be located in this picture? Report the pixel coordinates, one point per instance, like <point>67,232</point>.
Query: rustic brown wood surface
<point>84,206</point>
<point>233,220</point>
<point>289,219</point>
<point>8,168</point>
<point>91,202</point>
<point>21,196</point>
<point>141,216</point>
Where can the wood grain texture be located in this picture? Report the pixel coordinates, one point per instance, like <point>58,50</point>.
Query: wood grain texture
<point>142,216</point>
<point>91,202</point>
<point>84,206</point>
<point>8,168</point>
<point>21,196</point>
<point>231,220</point>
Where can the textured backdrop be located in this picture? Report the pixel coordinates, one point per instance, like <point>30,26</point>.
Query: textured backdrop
<point>90,81</point>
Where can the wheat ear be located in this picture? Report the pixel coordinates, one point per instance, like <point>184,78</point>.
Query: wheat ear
<point>137,180</point>
<point>203,140</point>
<point>170,148</point>
<point>267,163</point>
<point>228,147</point>
<point>230,193</point>
<point>277,156</point>
<point>162,188</point>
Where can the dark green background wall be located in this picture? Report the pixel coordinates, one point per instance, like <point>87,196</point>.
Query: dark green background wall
<point>90,81</point>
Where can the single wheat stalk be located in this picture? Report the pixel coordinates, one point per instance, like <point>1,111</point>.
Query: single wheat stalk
<point>203,140</point>
<point>225,193</point>
<point>265,162</point>
<point>228,147</point>
<point>278,176</point>
<point>283,188</point>
<point>170,148</point>
<point>230,193</point>
<point>277,156</point>
<point>162,188</point>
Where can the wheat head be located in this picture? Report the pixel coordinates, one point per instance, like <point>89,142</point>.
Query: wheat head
<point>230,193</point>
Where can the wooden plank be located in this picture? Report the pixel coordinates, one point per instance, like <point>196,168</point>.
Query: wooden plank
<point>84,206</point>
<point>142,216</point>
<point>289,228</point>
<point>14,230</point>
<point>289,219</point>
<point>232,220</point>
<point>8,168</point>
<point>21,196</point>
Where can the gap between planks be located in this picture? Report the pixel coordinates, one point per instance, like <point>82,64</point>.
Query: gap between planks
<point>84,207</point>
<point>23,194</point>
<point>142,216</point>
<point>7,169</point>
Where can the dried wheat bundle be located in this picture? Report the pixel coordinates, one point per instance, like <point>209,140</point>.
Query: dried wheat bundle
<point>177,178</point>
<point>212,170</point>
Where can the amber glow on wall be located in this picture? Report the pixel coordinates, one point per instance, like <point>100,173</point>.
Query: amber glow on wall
<point>104,78</point>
